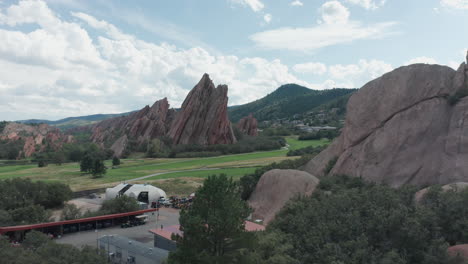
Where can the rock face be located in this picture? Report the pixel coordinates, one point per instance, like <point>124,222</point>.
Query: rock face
<point>203,118</point>
<point>400,129</point>
<point>248,125</point>
<point>148,123</point>
<point>275,188</point>
<point>36,137</point>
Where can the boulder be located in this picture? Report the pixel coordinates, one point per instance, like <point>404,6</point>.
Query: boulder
<point>401,129</point>
<point>248,125</point>
<point>203,118</point>
<point>275,188</point>
<point>460,251</point>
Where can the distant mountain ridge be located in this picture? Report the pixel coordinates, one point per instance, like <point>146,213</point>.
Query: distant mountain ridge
<point>76,121</point>
<point>286,101</point>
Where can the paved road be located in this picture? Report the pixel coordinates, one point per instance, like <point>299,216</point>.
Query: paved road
<point>167,217</point>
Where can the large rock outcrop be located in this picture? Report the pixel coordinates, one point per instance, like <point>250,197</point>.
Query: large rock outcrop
<point>401,129</point>
<point>141,126</point>
<point>275,188</point>
<point>248,125</point>
<point>36,137</point>
<point>203,118</point>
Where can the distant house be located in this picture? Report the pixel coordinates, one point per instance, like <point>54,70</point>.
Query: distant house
<point>163,236</point>
<point>121,249</point>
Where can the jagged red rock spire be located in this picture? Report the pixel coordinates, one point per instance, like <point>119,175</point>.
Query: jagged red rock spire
<point>248,125</point>
<point>203,116</point>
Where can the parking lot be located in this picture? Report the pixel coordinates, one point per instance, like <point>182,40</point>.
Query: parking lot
<point>164,217</point>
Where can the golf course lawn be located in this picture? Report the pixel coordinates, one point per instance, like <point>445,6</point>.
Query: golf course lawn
<point>232,165</point>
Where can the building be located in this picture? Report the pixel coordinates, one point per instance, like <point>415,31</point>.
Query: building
<point>144,193</point>
<point>61,228</point>
<point>163,236</point>
<point>121,249</point>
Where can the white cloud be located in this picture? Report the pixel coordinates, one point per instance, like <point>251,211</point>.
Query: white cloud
<point>333,12</point>
<point>422,59</point>
<point>363,71</point>
<point>309,39</point>
<point>333,28</point>
<point>255,5</point>
<point>267,18</point>
<point>311,68</point>
<point>59,67</point>
<point>368,4</point>
<point>455,4</point>
<point>296,3</point>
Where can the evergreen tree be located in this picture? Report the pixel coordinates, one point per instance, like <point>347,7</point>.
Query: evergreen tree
<point>115,161</point>
<point>98,168</point>
<point>214,226</point>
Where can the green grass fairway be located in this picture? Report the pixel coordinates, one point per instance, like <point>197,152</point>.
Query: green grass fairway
<point>233,165</point>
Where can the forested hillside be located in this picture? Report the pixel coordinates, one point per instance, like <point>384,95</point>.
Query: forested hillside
<point>286,101</point>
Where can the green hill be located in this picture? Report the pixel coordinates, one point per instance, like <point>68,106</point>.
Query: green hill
<point>286,101</point>
<point>71,122</point>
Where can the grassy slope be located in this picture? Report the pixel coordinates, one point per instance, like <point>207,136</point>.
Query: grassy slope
<point>232,165</point>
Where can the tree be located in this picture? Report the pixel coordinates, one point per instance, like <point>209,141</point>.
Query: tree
<point>70,212</point>
<point>115,161</point>
<point>122,204</point>
<point>214,225</point>
<point>42,163</point>
<point>98,168</point>
<point>86,163</point>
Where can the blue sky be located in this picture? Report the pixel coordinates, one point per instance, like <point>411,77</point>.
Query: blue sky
<point>61,58</point>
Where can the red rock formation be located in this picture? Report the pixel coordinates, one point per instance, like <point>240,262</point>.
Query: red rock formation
<point>203,118</point>
<point>36,137</point>
<point>406,127</point>
<point>248,125</point>
<point>141,126</point>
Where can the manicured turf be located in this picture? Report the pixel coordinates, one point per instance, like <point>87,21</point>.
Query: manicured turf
<point>232,165</point>
<point>294,143</point>
<point>232,172</point>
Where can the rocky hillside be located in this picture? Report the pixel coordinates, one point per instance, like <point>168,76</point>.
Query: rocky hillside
<point>201,120</point>
<point>287,101</point>
<point>407,127</point>
<point>33,138</point>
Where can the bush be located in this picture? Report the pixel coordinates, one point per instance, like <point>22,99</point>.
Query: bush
<point>347,220</point>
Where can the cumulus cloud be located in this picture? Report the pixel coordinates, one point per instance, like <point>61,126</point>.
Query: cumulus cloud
<point>296,3</point>
<point>255,5</point>
<point>333,12</point>
<point>363,71</point>
<point>422,59</point>
<point>334,28</point>
<point>455,4</point>
<point>267,18</point>
<point>311,68</point>
<point>58,66</point>
<point>368,4</point>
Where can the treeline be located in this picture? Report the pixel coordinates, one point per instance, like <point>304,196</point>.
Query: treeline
<point>72,152</point>
<point>163,148</point>
<point>310,150</point>
<point>11,149</point>
<point>23,201</point>
<point>329,134</point>
<point>345,220</point>
<point>348,220</point>
<point>38,248</point>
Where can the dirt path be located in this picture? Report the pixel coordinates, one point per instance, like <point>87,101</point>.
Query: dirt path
<point>166,172</point>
